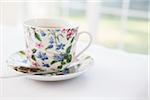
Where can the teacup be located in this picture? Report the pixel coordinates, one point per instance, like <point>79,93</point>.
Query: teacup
<point>51,43</point>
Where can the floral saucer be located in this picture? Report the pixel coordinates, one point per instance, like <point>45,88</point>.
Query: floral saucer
<point>21,63</point>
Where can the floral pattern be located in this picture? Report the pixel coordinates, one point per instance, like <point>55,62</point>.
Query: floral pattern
<point>39,45</point>
<point>51,43</point>
<point>60,46</point>
<point>69,33</point>
<point>46,65</point>
<point>43,34</point>
<point>59,57</point>
<point>21,63</point>
<point>57,41</point>
<point>42,56</point>
<point>35,64</point>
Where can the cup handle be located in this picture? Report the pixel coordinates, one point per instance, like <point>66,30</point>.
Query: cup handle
<point>90,41</point>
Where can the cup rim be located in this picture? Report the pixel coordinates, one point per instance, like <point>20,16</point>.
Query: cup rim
<point>37,23</point>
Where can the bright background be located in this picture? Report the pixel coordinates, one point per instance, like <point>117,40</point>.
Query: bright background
<point>118,24</point>
<point>121,25</point>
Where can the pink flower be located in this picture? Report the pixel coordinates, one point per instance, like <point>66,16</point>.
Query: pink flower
<point>35,64</point>
<point>69,33</point>
<point>39,45</point>
<point>63,30</point>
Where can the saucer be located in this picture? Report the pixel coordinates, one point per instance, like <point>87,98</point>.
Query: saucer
<point>20,63</point>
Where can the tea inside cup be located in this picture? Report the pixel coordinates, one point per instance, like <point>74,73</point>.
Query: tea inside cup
<point>50,23</point>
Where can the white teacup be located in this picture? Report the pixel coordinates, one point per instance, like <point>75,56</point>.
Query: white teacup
<point>51,43</point>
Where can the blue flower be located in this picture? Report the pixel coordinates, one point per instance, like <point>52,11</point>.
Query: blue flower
<point>46,65</point>
<point>43,33</point>
<point>25,61</point>
<point>50,46</point>
<point>66,71</point>
<point>51,41</point>
<point>60,46</point>
<point>43,56</point>
<point>59,57</point>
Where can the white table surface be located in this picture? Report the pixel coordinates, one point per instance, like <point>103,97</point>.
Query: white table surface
<point>115,75</point>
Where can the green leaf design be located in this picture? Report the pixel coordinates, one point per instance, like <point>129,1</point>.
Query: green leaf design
<point>46,48</point>
<point>22,52</point>
<point>33,57</point>
<point>60,67</point>
<point>72,39</point>
<point>78,65</point>
<point>34,50</point>
<point>63,63</point>
<point>68,49</point>
<point>69,58</point>
<point>37,36</point>
<point>57,38</point>
<point>65,55</point>
<point>53,62</point>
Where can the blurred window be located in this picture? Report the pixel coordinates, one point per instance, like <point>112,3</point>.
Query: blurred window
<point>121,24</point>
